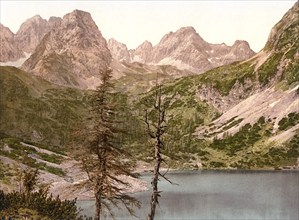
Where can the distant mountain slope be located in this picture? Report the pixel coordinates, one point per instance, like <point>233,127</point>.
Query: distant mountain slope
<point>72,54</point>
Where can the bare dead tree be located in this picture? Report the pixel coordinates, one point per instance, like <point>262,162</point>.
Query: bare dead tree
<point>155,129</point>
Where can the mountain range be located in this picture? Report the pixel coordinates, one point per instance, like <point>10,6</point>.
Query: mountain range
<point>184,49</point>
<point>227,107</point>
<point>50,41</point>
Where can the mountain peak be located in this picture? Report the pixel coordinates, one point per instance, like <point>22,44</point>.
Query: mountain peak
<point>35,18</point>
<point>31,32</point>
<point>188,29</point>
<point>241,42</point>
<point>146,44</point>
<point>78,15</point>
<point>74,53</point>
<point>119,51</point>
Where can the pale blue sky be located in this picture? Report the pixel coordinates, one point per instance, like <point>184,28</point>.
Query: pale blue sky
<point>132,22</point>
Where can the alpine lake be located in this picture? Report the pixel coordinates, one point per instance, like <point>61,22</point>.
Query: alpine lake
<point>218,194</point>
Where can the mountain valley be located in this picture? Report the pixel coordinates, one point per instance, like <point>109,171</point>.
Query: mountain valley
<point>227,107</point>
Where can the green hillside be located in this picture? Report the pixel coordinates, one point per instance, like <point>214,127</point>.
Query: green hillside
<point>33,109</point>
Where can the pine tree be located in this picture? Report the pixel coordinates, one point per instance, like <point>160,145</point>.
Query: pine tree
<point>103,157</point>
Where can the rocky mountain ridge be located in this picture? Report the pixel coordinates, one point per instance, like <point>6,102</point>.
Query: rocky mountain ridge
<point>186,49</point>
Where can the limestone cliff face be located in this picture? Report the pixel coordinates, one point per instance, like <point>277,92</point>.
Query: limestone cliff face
<point>10,50</point>
<point>74,53</point>
<point>32,31</point>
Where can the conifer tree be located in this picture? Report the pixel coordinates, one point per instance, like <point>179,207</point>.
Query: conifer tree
<point>103,158</point>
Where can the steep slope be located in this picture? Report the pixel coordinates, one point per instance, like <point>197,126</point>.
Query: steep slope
<point>10,50</point>
<point>74,53</point>
<point>32,31</point>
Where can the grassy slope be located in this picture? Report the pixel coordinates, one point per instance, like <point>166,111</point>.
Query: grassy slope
<point>33,109</point>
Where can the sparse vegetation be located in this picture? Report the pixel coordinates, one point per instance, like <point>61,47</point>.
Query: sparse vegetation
<point>27,155</point>
<point>269,68</point>
<point>224,78</point>
<point>290,120</point>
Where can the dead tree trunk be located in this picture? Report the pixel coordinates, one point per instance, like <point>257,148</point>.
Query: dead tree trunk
<point>156,134</point>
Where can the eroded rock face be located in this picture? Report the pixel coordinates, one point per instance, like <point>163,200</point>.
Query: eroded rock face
<point>143,53</point>
<point>10,50</point>
<point>32,31</point>
<point>74,53</point>
<point>119,51</point>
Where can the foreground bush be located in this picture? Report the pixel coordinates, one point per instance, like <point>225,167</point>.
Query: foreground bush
<point>36,205</point>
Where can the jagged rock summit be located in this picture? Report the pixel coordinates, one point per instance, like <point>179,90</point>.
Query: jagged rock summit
<point>186,49</point>
<point>143,53</point>
<point>10,50</point>
<point>33,30</point>
<point>119,51</point>
<point>74,53</point>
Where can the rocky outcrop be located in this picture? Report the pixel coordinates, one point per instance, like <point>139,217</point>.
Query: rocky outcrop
<point>33,30</point>
<point>143,53</point>
<point>221,54</point>
<point>9,47</point>
<point>119,51</point>
<point>74,53</point>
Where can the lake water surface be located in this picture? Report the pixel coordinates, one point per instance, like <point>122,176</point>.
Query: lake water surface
<point>227,195</point>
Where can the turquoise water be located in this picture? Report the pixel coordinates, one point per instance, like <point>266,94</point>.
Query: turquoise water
<point>227,195</point>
